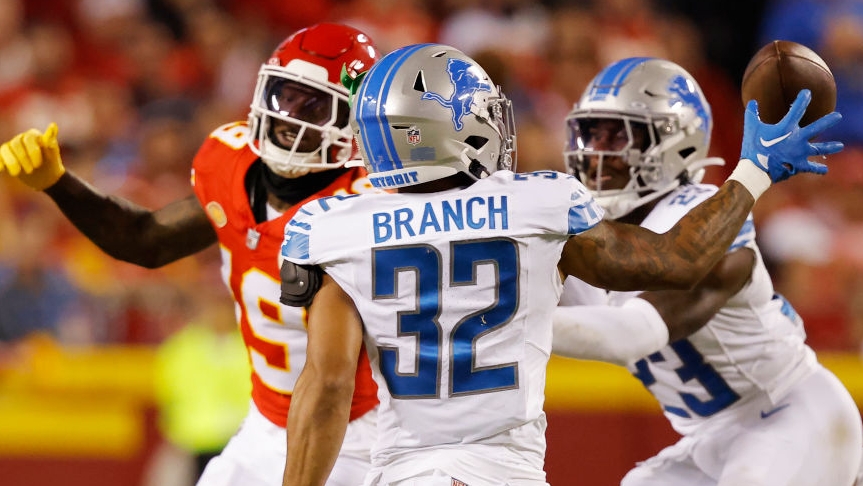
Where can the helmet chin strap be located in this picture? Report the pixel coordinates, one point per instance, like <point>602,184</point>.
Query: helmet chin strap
<point>275,157</point>
<point>619,205</point>
<point>473,166</point>
<point>289,172</point>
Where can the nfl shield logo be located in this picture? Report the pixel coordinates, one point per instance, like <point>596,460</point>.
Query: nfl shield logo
<point>413,135</point>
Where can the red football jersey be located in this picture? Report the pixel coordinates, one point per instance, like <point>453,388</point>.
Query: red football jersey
<point>274,334</point>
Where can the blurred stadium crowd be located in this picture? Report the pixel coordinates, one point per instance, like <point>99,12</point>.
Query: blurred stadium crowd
<point>136,85</point>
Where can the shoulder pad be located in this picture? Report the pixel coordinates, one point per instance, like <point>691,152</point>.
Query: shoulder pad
<point>300,283</point>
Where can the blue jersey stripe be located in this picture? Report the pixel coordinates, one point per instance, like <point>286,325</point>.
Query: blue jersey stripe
<point>609,80</point>
<point>584,212</point>
<point>744,236</point>
<point>787,309</point>
<point>296,243</point>
<point>376,136</point>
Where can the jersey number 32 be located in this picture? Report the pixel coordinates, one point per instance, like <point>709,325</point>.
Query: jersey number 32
<point>422,322</point>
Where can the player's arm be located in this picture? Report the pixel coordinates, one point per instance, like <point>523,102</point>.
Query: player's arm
<point>626,257</point>
<point>687,311</point>
<point>321,401</point>
<point>119,227</point>
<point>619,256</point>
<point>129,232</point>
<point>646,324</point>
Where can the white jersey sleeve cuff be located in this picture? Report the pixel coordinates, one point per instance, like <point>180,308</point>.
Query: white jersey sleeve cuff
<point>620,335</point>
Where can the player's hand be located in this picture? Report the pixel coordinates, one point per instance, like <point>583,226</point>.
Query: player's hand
<point>33,157</point>
<point>783,149</point>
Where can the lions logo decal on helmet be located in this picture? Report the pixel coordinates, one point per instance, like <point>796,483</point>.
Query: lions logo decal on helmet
<point>689,97</point>
<point>466,85</point>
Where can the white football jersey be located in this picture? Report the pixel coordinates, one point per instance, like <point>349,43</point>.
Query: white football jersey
<point>456,290</point>
<point>753,345</point>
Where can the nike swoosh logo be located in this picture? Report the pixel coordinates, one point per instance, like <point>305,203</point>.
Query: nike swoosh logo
<point>780,408</point>
<point>770,143</point>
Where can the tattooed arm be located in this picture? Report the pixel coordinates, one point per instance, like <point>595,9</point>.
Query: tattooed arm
<point>619,256</point>
<point>130,232</point>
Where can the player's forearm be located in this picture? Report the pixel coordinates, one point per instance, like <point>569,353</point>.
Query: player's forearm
<point>704,235</point>
<point>624,257</point>
<point>317,422</point>
<point>130,232</point>
<point>687,311</point>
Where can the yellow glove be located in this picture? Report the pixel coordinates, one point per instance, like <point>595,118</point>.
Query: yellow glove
<point>33,157</point>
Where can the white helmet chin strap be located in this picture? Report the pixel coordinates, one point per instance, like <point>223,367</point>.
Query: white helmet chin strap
<point>616,206</point>
<point>277,159</point>
<point>619,205</point>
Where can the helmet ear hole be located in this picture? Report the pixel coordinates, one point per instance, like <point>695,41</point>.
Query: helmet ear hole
<point>420,83</point>
<point>476,141</point>
<point>686,152</point>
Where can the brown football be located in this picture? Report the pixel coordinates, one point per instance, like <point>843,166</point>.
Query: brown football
<point>778,71</point>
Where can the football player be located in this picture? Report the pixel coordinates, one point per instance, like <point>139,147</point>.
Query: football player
<point>452,282</point>
<point>249,178</point>
<point>732,371</point>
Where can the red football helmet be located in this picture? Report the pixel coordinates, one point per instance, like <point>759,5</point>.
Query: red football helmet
<point>299,113</point>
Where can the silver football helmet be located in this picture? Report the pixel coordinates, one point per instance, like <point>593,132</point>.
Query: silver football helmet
<point>427,111</point>
<point>664,136</point>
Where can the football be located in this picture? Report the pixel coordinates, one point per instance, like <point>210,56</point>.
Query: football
<point>777,73</point>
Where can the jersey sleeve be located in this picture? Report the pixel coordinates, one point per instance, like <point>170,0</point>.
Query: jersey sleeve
<point>684,199</point>
<point>556,203</point>
<point>295,247</point>
<point>584,211</point>
<point>224,140</point>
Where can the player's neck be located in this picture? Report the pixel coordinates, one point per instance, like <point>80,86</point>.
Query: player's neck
<point>276,203</point>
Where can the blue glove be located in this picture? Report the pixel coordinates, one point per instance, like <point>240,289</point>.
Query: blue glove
<point>781,150</point>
